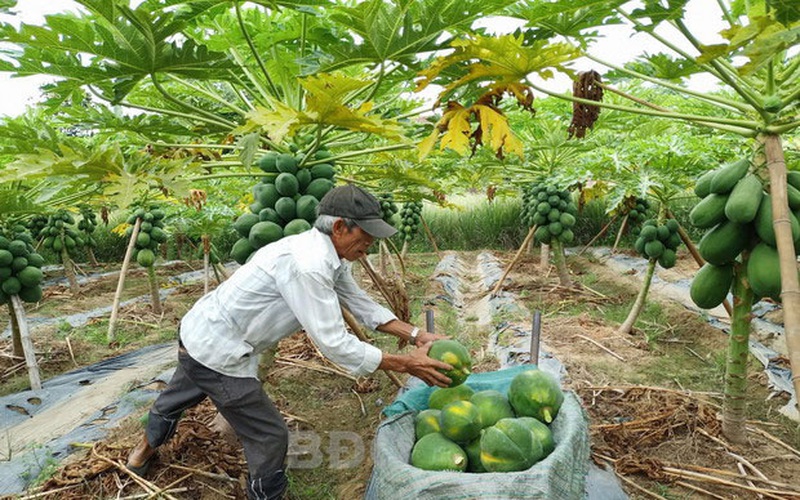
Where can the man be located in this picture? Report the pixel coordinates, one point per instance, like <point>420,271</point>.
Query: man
<point>297,282</point>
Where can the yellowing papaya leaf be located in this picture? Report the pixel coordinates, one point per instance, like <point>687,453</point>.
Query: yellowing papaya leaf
<point>760,41</point>
<point>326,95</point>
<point>278,122</point>
<point>457,130</point>
<point>496,132</point>
<point>498,59</point>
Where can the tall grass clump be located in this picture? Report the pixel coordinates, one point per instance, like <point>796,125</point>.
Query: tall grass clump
<point>476,224</point>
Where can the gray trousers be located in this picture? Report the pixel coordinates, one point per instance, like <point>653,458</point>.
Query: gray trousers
<point>244,404</point>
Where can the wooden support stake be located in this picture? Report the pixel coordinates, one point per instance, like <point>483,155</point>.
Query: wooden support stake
<point>27,343</point>
<point>429,233</point>
<point>619,233</point>
<point>601,346</point>
<point>112,322</point>
<point>206,261</point>
<point>598,235</point>
<point>499,284</point>
<point>353,324</point>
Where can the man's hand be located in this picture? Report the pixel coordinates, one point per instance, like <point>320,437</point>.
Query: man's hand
<point>426,338</point>
<point>426,368</point>
<point>418,363</point>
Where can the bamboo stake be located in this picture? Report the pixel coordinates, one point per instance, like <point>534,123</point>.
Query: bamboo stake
<point>71,354</point>
<point>429,233</point>
<point>206,274</point>
<point>313,367</point>
<point>16,340</point>
<point>790,284</point>
<point>112,322</point>
<point>379,282</point>
<point>730,474</point>
<point>601,346</point>
<point>356,328</point>
<point>773,439</point>
<point>598,235</point>
<point>715,480</point>
<point>27,343</point>
<point>145,484</point>
<point>210,475</point>
<point>48,493</point>
<point>640,488</point>
<point>527,239</point>
<point>619,233</point>
<point>699,489</point>
<point>696,255</point>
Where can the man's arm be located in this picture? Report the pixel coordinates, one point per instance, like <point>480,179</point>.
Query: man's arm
<point>417,363</point>
<point>403,330</point>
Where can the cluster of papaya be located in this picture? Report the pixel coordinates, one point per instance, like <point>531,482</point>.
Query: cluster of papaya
<point>659,241</point>
<point>551,210</point>
<point>737,213</point>
<point>58,234</point>
<point>151,234</point>
<point>464,430</point>
<point>20,266</point>
<point>87,225</point>
<point>285,201</point>
<point>639,213</point>
<point>410,218</point>
<point>36,225</point>
<point>388,206</point>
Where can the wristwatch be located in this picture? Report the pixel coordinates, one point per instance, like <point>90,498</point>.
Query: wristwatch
<point>414,335</point>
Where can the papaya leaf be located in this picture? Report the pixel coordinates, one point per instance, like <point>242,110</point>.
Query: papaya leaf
<point>575,20</point>
<point>760,41</point>
<point>496,132</point>
<point>325,98</point>
<point>248,145</point>
<point>399,30</point>
<point>278,122</point>
<point>661,66</point>
<point>657,12</point>
<point>498,59</point>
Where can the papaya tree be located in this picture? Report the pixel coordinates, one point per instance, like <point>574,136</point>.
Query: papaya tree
<point>758,99</point>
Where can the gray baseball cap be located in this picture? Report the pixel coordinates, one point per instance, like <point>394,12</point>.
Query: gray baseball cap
<point>354,203</point>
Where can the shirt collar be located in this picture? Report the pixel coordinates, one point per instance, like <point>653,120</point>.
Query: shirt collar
<point>330,250</point>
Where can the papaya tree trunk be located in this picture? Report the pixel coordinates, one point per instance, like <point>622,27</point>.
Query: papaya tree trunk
<point>111,336</point>
<point>155,296</point>
<point>16,339</point>
<point>27,343</point>
<point>641,299</point>
<point>734,406</point>
<point>790,285</point>
<point>561,263</point>
<point>619,233</point>
<point>69,271</point>
<point>206,260</point>
<point>544,258</point>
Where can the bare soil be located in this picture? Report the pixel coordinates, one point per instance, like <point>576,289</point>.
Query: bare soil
<point>653,398</point>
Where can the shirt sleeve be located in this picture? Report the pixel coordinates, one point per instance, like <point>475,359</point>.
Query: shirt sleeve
<point>366,310</point>
<point>313,301</point>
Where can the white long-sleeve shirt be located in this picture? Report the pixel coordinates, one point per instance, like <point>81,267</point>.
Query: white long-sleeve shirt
<point>296,282</point>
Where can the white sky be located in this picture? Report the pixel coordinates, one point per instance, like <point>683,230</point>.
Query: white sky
<point>702,18</point>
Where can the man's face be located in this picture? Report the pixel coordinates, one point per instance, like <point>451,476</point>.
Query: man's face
<point>350,243</point>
